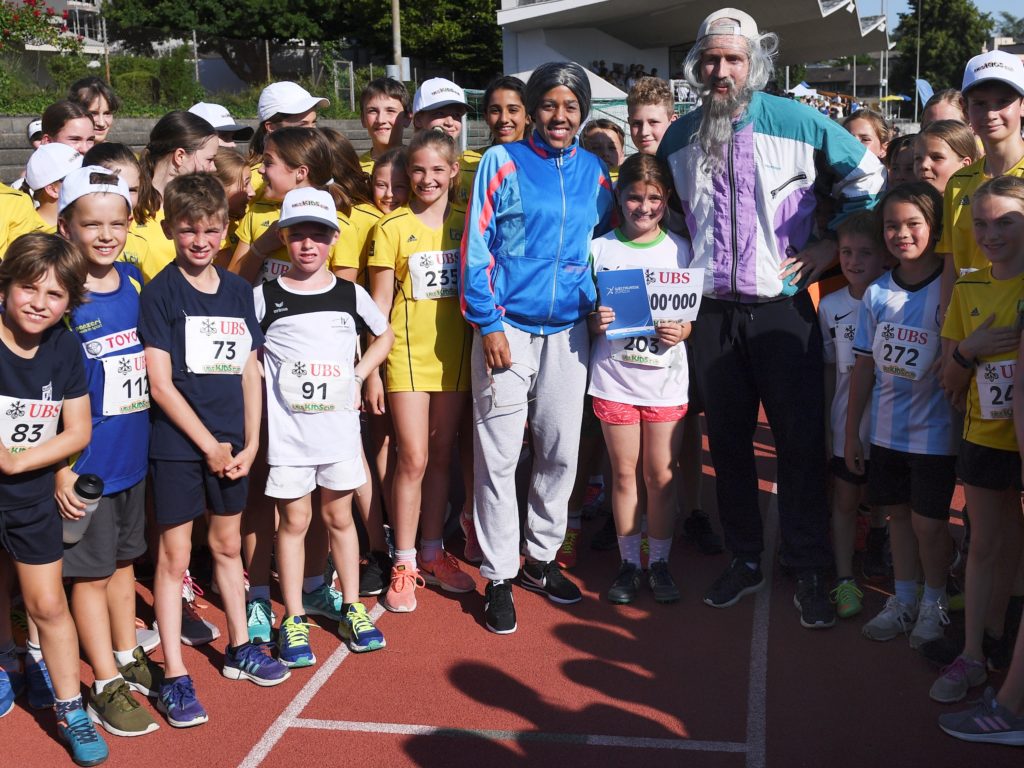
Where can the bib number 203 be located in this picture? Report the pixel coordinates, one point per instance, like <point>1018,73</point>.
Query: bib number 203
<point>644,344</point>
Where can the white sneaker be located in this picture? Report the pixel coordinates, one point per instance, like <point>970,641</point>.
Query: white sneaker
<point>895,618</point>
<point>931,618</point>
<point>147,638</point>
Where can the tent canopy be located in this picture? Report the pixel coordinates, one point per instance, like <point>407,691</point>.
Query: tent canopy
<point>803,90</point>
<point>599,87</point>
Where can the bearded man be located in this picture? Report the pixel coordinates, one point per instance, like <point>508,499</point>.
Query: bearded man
<point>744,166</point>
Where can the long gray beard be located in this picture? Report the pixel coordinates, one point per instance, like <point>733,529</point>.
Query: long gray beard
<point>715,133</point>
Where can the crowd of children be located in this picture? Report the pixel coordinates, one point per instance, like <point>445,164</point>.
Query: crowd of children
<point>192,322</point>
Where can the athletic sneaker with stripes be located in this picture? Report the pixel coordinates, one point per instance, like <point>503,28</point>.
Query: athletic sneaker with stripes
<point>988,721</point>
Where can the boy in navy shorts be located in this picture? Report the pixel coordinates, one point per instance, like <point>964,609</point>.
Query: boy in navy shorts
<point>200,333</point>
<point>42,387</point>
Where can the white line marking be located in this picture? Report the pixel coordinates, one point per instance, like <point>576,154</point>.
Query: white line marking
<point>757,687</point>
<point>291,713</point>
<point>594,740</point>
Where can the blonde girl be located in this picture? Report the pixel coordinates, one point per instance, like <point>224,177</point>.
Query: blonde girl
<point>941,149</point>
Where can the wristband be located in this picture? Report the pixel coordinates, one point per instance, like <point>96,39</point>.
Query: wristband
<point>960,360</point>
<point>359,381</point>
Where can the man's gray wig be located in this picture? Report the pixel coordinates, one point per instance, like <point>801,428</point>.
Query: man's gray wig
<point>553,74</point>
<point>761,53</point>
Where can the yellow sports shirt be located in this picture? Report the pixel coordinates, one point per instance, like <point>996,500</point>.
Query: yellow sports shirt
<point>17,217</point>
<point>160,250</point>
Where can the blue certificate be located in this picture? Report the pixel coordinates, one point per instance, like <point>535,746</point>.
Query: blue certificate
<point>625,291</point>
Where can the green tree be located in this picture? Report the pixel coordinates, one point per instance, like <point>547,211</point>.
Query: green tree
<point>952,31</point>
<point>1011,26</point>
<point>235,29</point>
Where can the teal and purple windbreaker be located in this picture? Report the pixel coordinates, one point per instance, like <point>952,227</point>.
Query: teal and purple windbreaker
<point>759,210</point>
<point>526,246</point>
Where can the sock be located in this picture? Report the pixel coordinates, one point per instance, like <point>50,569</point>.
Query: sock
<point>345,607</point>
<point>124,658</point>
<point>63,706</point>
<point>407,556</point>
<point>34,651</point>
<point>234,649</point>
<point>173,680</point>
<point>312,583</point>
<point>9,657</point>
<point>430,549</point>
<point>906,592</point>
<point>259,593</point>
<point>659,549</point>
<point>99,685</point>
<point>629,548</point>
<point>934,594</point>
<point>575,520</point>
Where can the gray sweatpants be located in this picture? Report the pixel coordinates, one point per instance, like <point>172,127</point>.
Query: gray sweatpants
<point>545,384</point>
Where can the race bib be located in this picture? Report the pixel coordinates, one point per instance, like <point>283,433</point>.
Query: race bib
<point>273,268</point>
<point>844,346</point>
<point>316,387</point>
<point>674,294</point>
<point>904,351</point>
<point>26,423</point>
<point>216,344</point>
<point>434,274</point>
<point>995,389</point>
<point>641,350</point>
<point>125,384</point>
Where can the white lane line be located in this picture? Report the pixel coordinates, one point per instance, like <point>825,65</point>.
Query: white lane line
<point>594,740</point>
<point>757,687</point>
<point>291,713</point>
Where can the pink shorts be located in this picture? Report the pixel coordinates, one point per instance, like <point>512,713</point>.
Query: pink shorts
<point>611,412</point>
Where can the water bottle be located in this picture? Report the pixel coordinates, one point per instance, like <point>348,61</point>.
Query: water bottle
<point>89,490</point>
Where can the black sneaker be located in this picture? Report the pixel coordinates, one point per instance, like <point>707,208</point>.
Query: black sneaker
<point>660,581</point>
<point>626,585</point>
<point>499,610</point>
<point>547,579</point>
<point>811,599</point>
<point>376,574</point>
<point>606,538</point>
<point>697,528</point>
<point>736,581</point>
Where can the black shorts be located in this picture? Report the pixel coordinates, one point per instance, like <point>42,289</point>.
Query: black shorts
<point>184,490</point>
<point>989,468</point>
<point>33,535</point>
<point>923,481</point>
<point>837,466</point>
<point>116,533</point>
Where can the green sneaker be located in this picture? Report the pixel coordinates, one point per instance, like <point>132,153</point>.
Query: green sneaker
<point>847,598</point>
<point>358,630</point>
<point>325,600</point>
<point>117,711</point>
<point>143,674</point>
<point>259,617</point>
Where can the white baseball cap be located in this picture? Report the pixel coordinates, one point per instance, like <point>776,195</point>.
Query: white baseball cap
<point>308,204</point>
<point>437,92</point>
<point>728,21</point>
<point>80,182</point>
<point>50,163</point>
<point>221,119</point>
<point>34,130</point>
<point>287,98</point>
<point>1001,66</point>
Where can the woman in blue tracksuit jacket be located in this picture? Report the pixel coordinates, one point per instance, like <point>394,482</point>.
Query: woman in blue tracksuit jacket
<point>526,287</point>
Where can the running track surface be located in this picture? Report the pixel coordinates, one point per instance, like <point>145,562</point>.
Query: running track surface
<point>588,685</point>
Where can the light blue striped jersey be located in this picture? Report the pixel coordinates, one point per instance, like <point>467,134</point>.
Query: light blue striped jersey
<point>899,327</point>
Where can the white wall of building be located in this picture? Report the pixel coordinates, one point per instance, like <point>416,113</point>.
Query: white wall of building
<point>526,50</point>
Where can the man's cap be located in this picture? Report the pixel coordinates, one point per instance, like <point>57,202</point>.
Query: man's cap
<point>437,92</point>
<point>287,98</point>
<point>79,183</point>
<point>50,163</point>
<point>999,66</point>
<point>729,21</point>
<point>221,119</point>
<point>308,204</point>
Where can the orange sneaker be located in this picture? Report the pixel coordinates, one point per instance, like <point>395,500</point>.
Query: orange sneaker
<point>444,571</point>
<point>401,594</point>
<point>566,556</point>
<point>472,551</point>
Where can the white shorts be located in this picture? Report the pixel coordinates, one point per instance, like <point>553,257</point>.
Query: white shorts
<point>296,482</point>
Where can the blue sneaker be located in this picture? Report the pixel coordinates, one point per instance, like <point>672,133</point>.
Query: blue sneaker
<point>76,730</point>
<point>294,643</point>
<point>358,630</point>
<point>11,685</point>
<point>325,600</point>
<point>260,619</point>
<point>40,689</point>
<point>179,703</point>
<point>251,662</point>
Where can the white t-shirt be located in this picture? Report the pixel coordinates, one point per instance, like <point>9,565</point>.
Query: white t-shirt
<point>626,382</point>
<point>837,314</point>
<point>309,360</point>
